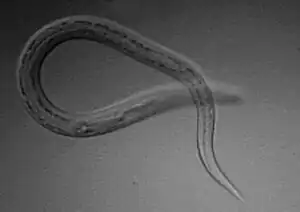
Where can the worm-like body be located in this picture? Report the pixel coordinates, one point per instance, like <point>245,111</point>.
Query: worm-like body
<point>125,112</point>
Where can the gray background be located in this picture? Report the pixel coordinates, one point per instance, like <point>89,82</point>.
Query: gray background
<point>152,166</point>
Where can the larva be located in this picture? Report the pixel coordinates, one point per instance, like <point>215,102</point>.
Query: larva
<point>126,112</point>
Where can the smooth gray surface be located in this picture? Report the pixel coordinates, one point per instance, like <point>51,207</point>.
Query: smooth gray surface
<point>152,166</point>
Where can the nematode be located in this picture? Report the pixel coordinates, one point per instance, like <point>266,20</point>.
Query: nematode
<point>128,111</point>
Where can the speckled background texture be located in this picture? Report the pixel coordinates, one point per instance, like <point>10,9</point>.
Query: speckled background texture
<point>152,166</point>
